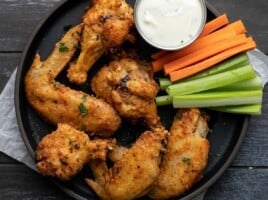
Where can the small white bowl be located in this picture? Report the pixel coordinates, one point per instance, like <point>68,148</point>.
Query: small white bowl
<point>159,24</point>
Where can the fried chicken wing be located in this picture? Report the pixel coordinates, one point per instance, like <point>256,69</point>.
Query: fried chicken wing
<point>58,103</point>
<point>132,175</point>
<point>128,85</point>
<point>64,152</point>
<point>185,157</point>
<point>108,23</point>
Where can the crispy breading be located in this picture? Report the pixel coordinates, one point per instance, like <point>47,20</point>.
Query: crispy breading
<point>57,103</point>
<point>64,152</point>
<point>108,23</point>
<point>185,157</point>
<point>131,176</point>
<point>129,86</point>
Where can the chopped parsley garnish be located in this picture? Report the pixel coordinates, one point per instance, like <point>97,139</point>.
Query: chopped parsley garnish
<point>185,159</point>
<point>82,109</point>
<point>63,47</point>
<point>84,98</point>
<point>56,84</point>
<point>74,144</point>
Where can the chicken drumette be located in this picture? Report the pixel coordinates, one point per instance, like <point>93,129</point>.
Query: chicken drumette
<point>108,23</point>
<point>128,85</point>
<point>64,152</point>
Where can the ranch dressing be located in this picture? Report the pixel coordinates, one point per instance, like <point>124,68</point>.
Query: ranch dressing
<point>170,24</point>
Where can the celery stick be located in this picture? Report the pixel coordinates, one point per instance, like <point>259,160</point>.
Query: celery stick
<point>231,63</point>
<point>251,84</point>
<point>220,98</point>
<point>213,81</point>
<point>164,83</point>
<point>163,100</point>
<point>252,109</point>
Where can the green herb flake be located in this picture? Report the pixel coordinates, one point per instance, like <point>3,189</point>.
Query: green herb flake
<point>56,85</point>
<point>74,144</point>
<point>63,47</point>
<point>84,98</point>
<point>185,159</point>
<point>82,109</point>
<point>85,143</point>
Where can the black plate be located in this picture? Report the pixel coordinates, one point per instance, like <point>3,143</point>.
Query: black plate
<point>227,130</point>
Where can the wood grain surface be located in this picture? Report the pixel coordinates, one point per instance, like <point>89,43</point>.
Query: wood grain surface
<point>247,177</point>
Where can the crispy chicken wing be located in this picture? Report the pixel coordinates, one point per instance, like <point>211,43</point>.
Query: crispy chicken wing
<point>185,157</point>
<point>131,176</point>
<point>64,152</point>
<point>60,104</point>
<point>128,85</point>
<point>108,23</point>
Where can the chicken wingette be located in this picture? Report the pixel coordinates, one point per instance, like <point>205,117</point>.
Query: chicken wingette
<point>108,23</point>
<point>133,174</point>
<point>57,103</point>
<point>65,151</point>
<point>129,86</point>
<point>185,157</point>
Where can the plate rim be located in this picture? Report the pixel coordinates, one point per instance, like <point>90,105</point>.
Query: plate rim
<point>196,192</point>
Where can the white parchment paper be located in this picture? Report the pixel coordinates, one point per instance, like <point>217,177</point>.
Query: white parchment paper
<point>11,142</point>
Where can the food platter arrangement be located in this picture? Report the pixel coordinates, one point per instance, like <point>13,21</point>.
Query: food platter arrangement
<point>107,112</point>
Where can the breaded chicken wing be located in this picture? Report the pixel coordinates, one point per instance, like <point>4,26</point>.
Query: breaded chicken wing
<point>108,23</point>
<point>64,152</point>
<point>128,85</point>
<point>131,176</point>
<point>57,103</point>
<point>185,157</point>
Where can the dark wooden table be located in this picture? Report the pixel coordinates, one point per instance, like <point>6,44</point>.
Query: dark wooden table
<point>247,177</point>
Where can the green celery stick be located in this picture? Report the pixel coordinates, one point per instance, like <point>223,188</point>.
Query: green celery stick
<point>251,109</point>
<point>231,63</point>
<point>250,84</point>
<point>213,81</point>
<point>163,100</point>
<point>164,83</point>
<point>218,98</point>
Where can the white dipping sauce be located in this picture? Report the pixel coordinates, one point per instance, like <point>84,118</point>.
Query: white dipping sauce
<point>170,24</point>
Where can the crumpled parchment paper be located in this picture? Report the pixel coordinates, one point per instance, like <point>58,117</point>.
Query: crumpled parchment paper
<point>11,142</point>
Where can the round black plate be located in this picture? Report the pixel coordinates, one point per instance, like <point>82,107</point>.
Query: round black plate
<point>227,130</point>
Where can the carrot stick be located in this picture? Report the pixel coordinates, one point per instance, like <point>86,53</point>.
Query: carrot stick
<point>158,54</point>
<point>205,64</point>
<point>238,26</point>
<point>204,53</point>
<point>205,41</point>
<point>214,24</point>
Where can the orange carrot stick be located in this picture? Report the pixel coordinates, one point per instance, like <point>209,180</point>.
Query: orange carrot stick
<point>205,64</point>
<point>215,24</point>
<point>238,26</point>
<point>158,54</point>
<point>205,41</point>
<point>204,53</point>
